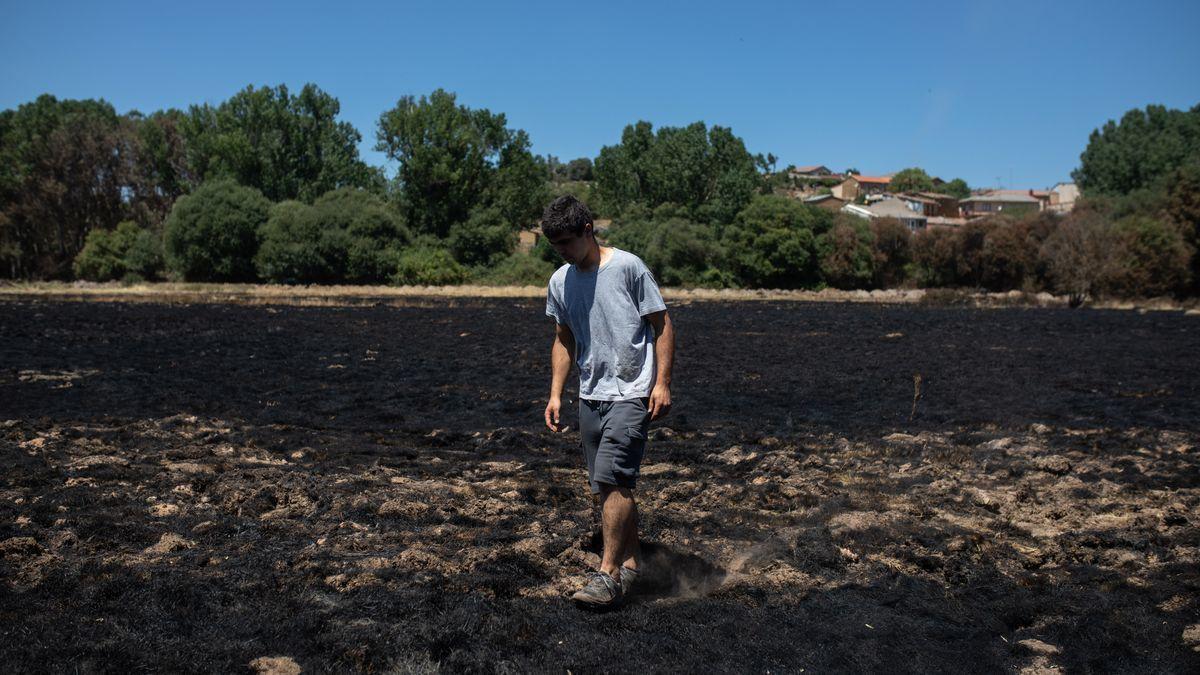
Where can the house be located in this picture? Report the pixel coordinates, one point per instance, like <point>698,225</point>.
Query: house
<point>947,204</point>
<point>889,208</point>
<point>1063,197</point>
<point>998,201</point>
<point>828,202</point>
<point>855,186</point>
<point>1043,196</point>
<point>810,171</point>
<point>921,204</point>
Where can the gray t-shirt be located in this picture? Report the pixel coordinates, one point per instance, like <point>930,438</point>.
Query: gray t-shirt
<point>606,309</point>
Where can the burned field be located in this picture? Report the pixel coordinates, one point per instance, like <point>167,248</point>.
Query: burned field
<point>193,487</point>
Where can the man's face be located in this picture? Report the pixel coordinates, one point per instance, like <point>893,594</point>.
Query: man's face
<point>573,248</point>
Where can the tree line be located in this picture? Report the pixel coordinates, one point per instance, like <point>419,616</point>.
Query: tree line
<point>268,186</point>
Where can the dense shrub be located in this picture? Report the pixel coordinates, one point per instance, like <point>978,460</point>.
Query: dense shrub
<point>846,256</point>
<point>375,233</point>
<point>1009,256</point>
<point>483,239</point>
<point>892,248</point>
<point>1182,206</point>
<point>128,252</point>
<point>772,243</point>
<point>1078,257</point>
<point>348,235</point>
<point>678,252</point>
<point>295,249</point>
<point>212,234</point>
<point>935,257</point>
<point>1153,258</point>
<point>518,269</point>
<point>424,266</point>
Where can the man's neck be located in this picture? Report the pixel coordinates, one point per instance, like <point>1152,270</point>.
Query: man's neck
<point>595,257</point>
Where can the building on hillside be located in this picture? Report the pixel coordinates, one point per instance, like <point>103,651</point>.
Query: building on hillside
<point>1043,196</point>
<point>947,204</point>
<point>889,208</point>
<point>818,171</point>
<point>855,186</point>
<point>827,202</point>
<point>1063,197</point>
<point>921,204</point>
<point>996,201</point>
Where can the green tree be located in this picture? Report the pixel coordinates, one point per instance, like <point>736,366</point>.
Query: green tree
<point>706,170</point>
<point>160,173</point>
<point>772,243</point>
<point>454,160</point>
<point>1145,147</point>
<point>679,252</point>
<point>347,235</point>
<point>913,179</point>
<point>65,167</point>
<point>956,188</point>
<point>287,146</point>
<point>212,234</point>
<point>578,169</point>
<point>374,232</point>
<point>295,249</point>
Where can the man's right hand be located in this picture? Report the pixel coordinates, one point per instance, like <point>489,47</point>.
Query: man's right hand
<point>553,420</point>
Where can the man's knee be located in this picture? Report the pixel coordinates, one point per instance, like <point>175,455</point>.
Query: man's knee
<point>606,490</point>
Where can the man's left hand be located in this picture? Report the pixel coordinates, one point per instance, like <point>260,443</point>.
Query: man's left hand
<point>660,402</point>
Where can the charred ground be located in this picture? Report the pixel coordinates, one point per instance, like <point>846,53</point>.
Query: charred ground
<point>190,487</point>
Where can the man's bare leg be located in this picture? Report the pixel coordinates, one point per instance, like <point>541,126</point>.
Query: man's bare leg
<point>632,548</point>
<point>619,516</point>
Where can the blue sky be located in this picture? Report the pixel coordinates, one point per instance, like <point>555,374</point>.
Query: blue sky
<point>998,93</point>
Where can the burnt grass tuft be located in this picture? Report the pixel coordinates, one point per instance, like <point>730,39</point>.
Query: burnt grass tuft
<point>188,488</point>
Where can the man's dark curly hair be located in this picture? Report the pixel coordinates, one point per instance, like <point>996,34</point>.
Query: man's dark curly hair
<point>565,214</point>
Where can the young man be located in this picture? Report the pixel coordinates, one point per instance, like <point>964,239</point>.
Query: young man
<point>611,317</point>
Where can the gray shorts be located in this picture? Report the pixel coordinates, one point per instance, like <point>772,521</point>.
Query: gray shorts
<point>614,440</point>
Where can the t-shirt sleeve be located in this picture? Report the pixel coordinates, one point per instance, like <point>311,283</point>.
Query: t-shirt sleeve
<point>645,293</point>
<point>553,307</point>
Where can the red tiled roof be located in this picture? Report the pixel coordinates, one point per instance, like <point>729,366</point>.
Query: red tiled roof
<point>873,179</point>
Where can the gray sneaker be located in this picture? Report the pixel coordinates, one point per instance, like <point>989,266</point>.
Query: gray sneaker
<point>600,592</point>
<point>628,578</point>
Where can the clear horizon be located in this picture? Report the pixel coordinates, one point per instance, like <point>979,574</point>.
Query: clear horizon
<point>1002,95</point>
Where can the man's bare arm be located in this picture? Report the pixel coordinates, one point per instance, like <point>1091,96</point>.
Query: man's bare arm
<point>561,352</point>
<point>664,357</point>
